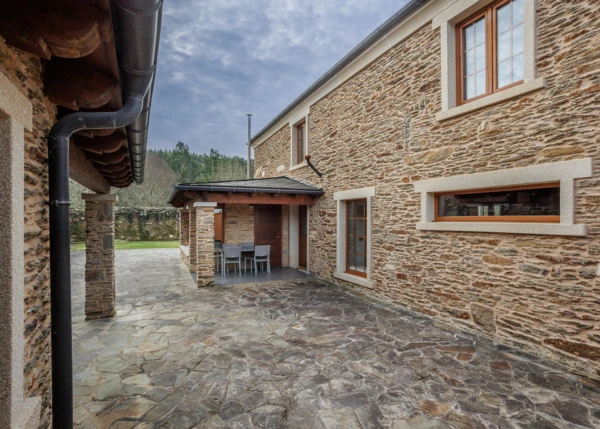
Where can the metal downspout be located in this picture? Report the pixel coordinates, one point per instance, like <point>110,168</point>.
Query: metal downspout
<point>60,260</point>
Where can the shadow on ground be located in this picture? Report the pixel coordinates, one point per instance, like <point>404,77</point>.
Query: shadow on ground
<point>300,354</point>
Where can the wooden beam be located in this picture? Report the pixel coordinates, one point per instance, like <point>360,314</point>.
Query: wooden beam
<point>224,198</point>
<point>82,171</point>
<point>72,85</point>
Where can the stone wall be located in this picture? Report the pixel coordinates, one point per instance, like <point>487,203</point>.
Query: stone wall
<point>134,224</point>
<point>239,223</point>
<point>379,129</point>
<point>25,71</point>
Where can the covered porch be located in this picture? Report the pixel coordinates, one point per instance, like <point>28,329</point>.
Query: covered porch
<point>257,212</point>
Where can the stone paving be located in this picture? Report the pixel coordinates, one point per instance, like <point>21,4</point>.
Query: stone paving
<point>297,354</point>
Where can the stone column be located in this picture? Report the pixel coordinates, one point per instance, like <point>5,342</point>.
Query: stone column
<point>205,244</point>
<point>184,227</point>
<point>99,256</point>
<point>192,239</point>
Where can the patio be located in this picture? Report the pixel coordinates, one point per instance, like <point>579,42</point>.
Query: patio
<point>296,353</point>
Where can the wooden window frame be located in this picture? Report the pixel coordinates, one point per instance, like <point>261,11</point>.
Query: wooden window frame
<point>491,48</point>
<point>300,126</point>
<point>348,270</point>
<point>522,219</point>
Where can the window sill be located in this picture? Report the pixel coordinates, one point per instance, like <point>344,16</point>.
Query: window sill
<point>185,250</point>
<point>506,228</point>
<point>492,99</point>
<point>298,166</point>
<point>354,279</point>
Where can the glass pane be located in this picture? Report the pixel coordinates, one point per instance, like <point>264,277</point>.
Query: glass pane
<point>360,264</point>
<point>350,209</point>
<point>469,35</point>
<point>470,93</point>
<point>351,227</point>
<point>480,58</point>
<point>360,227</point>
<point>360,247</point>
<point>470,62</point>
<point>504,46</point>
<point>480,32</point>
<point>504,73</point>
<point>526,202</point>
<point>518,68</point>
<point>504,23</point>
<point>517,39</point>
<point>518,12</point>
<point>351,262</point>
<point>360,209</point>
<point>351,244</point>
<point>481,82</point>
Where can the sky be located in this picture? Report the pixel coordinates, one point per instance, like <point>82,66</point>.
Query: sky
<point>221,59</point>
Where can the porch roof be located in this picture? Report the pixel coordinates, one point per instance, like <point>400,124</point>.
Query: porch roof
<point>273,190</point>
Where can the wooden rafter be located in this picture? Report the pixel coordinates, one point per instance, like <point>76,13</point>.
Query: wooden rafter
<point>101,145</point>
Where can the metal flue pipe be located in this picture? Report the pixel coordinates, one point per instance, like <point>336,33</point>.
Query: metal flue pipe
<point>249,145</point>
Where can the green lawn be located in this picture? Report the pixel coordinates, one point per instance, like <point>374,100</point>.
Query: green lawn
<point>129,245</point>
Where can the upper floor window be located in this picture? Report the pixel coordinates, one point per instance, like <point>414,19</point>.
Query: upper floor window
<point>300,142</point>
<point>491,50</point>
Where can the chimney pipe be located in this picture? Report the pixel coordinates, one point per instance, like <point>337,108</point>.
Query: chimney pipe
<point>249,147</point>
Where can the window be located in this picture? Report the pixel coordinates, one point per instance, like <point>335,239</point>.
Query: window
<point>300,134</point>
<point>356,237</point>
<point>299,141</point>
<point>353,235</point>
<point>530,203</point>
<point>537,199</point>
<point>491,50</point>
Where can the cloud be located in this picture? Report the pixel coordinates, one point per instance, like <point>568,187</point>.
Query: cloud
<point>221,59</point>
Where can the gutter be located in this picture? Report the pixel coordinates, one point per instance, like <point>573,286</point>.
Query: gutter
<point>138,48</point>
<point>358,50</point>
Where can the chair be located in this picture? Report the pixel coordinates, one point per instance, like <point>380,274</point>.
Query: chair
<point>261,255</point>
<point>247,254</point>
<point>218,255</point>
<point>232,255</point>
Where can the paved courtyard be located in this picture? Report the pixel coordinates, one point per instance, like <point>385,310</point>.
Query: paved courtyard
<point>298,354</point>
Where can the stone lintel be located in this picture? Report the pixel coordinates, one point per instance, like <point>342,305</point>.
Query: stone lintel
<point>204,204</point>
<point>99,197</point>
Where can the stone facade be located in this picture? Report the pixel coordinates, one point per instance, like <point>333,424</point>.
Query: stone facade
<point>100,256</point>
<point>205,245</point>
<point>192,241</point>
<point>134,224</point>
<point>239,223</point>
<point>184,230</point>
<point>25,72</point>
<point>379,129</point>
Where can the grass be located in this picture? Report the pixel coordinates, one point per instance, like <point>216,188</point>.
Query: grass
<point>131,245</point>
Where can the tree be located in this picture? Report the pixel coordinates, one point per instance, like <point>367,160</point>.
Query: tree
<point>159,180</point>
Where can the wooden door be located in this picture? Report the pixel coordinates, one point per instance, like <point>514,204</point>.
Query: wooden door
<point>302,236</point>
<point>267,229</point>
<point>219,231</point>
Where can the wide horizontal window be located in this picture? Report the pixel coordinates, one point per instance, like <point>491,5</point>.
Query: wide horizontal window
<point>530,203</point>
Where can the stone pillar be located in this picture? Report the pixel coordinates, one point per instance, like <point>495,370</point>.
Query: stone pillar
<point>99,256</point>
<point>205,244</point>
<point>184,229</point>
<point>192,239</point>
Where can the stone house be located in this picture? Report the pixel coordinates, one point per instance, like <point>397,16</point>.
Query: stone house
<point>75,96</point>
<point>458,146</point>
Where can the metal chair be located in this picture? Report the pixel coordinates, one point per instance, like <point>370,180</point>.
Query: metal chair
<point>232,255</point>
<point>261,255</point>
<point>218,256</point>
<point>247,254</point>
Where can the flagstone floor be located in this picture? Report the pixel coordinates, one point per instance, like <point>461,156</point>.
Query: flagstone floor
<point>296,354</point>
